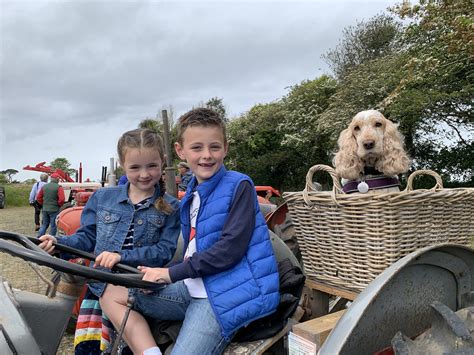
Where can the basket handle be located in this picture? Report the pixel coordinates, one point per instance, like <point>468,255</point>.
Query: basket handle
<point>336,185</point>
<point>438,185</point>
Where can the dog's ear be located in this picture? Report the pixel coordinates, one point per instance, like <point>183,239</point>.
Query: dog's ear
<point>394,159</point>
<point>347,163</point>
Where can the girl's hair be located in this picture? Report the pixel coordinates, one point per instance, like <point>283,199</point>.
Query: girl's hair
<point>145,138</point>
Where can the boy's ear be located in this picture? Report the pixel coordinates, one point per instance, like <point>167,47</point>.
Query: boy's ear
<point>179,150</point>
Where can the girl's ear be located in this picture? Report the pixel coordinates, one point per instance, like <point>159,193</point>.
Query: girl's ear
<point>179,150</point>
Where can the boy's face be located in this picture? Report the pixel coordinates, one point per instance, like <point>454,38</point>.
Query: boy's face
<point>204,150</point>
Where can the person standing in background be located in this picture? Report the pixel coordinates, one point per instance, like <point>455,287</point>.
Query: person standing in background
<point>185,175</point>
<point>51,197</point>
<point>34,191</point>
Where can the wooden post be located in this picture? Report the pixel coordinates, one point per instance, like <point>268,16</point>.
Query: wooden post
<point>169,170</point>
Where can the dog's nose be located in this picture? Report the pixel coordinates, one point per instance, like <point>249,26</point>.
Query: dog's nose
<point>369,144</point>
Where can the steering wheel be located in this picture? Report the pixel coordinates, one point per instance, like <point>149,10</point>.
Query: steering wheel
<point>29,250</point>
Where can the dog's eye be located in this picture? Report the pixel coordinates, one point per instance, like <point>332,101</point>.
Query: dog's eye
<point>378,124</point>
<point>356,128</point>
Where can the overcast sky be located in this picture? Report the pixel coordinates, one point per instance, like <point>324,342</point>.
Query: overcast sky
<point>77,74</point>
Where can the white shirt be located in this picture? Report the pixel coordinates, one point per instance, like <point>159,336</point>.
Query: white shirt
<point>195,287</point>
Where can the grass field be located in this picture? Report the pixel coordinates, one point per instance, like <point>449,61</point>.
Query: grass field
<point>17,195</point>
<point>16,271</point>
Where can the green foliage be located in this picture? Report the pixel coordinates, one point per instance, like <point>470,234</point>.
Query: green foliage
<point>8,174</point>
<point>438,76</point>
<point>277,143</point>
<point>303,106</point>
<point>3,179</point>
<point>363,43</point>
<point>419,76</point>
<point>17,195</point>
<point>63,164</point>
<point>153,124</point>
<point>253,143</point>
<point>426,86</point>
<point>217,104</point>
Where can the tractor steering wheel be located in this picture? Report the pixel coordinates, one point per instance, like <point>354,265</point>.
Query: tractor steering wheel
<point>29,250</point>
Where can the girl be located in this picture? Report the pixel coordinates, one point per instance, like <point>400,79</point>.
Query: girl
<point>136,224</point>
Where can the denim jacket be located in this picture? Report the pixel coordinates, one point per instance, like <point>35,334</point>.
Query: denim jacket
<point>106,219</point>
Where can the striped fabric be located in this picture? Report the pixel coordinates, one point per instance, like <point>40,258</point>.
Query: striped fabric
<point>93,329</point>
<point>128,242</point>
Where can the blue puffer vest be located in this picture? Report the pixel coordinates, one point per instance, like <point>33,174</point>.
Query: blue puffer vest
<point>249,290</point>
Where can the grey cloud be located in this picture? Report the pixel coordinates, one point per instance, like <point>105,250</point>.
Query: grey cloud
<point>72,64</point>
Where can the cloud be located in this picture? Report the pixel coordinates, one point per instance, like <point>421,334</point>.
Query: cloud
<point>76,74</point>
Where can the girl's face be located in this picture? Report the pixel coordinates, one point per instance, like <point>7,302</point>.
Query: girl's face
<point>143,169</point>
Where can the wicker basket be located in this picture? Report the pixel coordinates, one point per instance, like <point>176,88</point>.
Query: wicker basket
<point>346,240</point>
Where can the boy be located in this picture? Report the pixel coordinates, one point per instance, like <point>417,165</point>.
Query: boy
<point>229,276</point>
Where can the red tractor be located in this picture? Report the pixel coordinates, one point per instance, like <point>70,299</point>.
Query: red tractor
<point>70,186</point>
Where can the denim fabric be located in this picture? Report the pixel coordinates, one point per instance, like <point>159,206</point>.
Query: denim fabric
<point>200,332</point>
<point>49,218</point>
<point>106,219</point>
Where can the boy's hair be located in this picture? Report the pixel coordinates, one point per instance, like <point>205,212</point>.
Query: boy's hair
<point>203,117</point>
<point>145,138</point>
<point>44,177</point>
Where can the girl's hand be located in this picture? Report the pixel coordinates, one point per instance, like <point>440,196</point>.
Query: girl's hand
<point>47,243</point>
<point>155,274</point>
<point>107,259</point>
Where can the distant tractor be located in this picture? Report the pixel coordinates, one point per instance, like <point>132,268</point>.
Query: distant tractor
<point>70,186</point>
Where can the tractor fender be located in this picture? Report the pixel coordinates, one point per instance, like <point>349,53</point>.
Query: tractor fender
<point>402,298</point>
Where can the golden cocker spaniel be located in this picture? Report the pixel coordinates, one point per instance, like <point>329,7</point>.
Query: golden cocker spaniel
<point>371,145</point>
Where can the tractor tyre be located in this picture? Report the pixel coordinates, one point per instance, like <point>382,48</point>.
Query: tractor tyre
<point>450,333</point>
<point>2,197</point>
<point>286,232</point>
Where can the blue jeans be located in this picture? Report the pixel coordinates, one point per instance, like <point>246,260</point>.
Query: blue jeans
<point>48,218</point>
<point>200,333</point>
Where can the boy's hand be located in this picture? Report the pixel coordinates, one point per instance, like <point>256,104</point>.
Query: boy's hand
<point>47,243</point>
<point>107,259</point>
<point>155,274</point>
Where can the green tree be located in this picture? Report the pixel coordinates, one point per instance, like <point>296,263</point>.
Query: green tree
<point>425,85</point>
<point>364,42</point>
<point>217,104</point>
<point>277,143</point>
<point>255,146</point>
<point>3,178</point>
<point>153,124</point>
<point>439,79</point>
<point>63,164</point>
<point>8,174</point>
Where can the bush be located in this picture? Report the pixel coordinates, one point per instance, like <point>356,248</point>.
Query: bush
<point>17,195</point>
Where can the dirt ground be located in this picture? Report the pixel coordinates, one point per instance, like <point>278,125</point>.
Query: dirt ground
<point>16,271</point>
